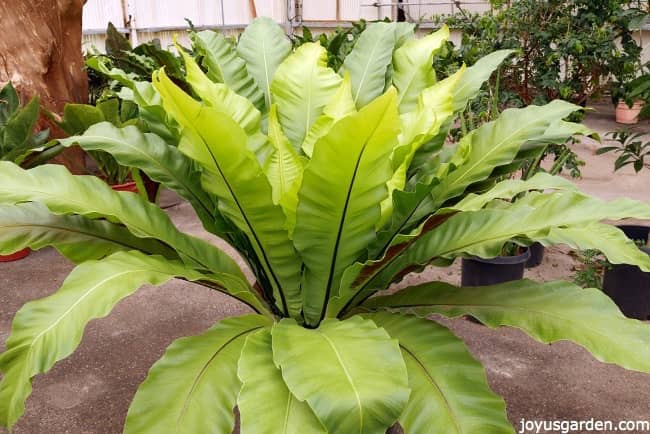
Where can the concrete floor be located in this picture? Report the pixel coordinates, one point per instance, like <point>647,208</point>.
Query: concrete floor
<point>89,392</point>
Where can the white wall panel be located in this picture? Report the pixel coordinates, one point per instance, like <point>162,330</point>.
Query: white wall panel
<point>97,14</point>
<point>319,10</point>
<point>95,41</point>
<point>271,8</point>
<point>478,7</point>
<point>156,13</point>
<point>237,11</point>
<point>352,10</point>
<point>161,13</point>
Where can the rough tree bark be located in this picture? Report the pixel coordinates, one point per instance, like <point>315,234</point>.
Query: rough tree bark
<point>40,52</point>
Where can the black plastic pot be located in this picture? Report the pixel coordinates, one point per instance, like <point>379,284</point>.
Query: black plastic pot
<point>482,272</point>
<point>636,232</point>
<point>536,255</point>
<point>629,288</point>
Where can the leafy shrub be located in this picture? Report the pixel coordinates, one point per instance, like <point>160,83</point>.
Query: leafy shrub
<point>565,48</point>
<point>631,147</point>
<point>332,185</point>
<point>138,63</point>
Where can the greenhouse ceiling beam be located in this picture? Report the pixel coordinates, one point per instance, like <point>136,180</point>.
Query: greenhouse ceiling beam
<point>295,24</point>
<point>379,4</point>
<point>167,29</point>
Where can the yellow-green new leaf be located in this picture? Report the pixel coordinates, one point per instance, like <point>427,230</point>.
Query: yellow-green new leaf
<point>548,312</point>
<point>434,108</point>
<point>472,82</point>
<point>193,388</point>
<point>340,369</point>
<point>340,106</point>
<point>449,389</point>
<point>497,143</point>
<point>221,97</point>
<point>413,67</point>
<point>233,174</point>
<point>284,170</point>
<point>263,46</point>
<point>303,84</point>
<point>369,60</point>
<point>220,58</point>
<point>338,205</point>
<point>476,75</point>
<point>264,393</point>
<point>48,330</point>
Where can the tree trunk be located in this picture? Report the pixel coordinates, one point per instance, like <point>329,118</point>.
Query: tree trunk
<point>40,53</point>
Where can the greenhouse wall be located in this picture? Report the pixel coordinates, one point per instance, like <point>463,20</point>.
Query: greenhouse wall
<point>144,20</point>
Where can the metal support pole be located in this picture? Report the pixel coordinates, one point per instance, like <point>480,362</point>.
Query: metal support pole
<point>128,10</point>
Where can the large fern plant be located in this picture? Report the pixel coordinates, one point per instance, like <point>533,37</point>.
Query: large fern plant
<point>332,185</point>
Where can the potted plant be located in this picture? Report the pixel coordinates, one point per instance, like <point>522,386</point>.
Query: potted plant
<point>137,62</point>
<point>78,118</point>
<point>628,285</point>
<point>19,144</point>
<point>506,267</point>
<point>318,202</point>
<point>564,159</point>
<point>632,100</point>
<point>121,93</point>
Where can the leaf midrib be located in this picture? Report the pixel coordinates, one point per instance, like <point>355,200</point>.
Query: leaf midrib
<point>493,149</point>
<point>146,156</point>
<point>348,378</point>
<point>83,206</point>
<point>457,248</point>
<point>204,368</point>
<point>74,231</point>
<point>366,68</point>
<point>69,309</point>
<point>435,385</point>
<point>247,221</point>
<point>525,309</point>
<point>328,288</point>
<point>87,293</point>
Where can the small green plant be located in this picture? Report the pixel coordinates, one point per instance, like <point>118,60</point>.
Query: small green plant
<point>18,142</point>
<point>77,118</point>
<point>138,63</point>
<point>589,273</point>
<point>593,264</point>
<point>631,147</point>
<point>331,185</point>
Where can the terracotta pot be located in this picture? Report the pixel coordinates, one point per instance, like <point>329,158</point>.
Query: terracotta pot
<point>20,254</point>
<point>127,186</point>
<point>628,115</point>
